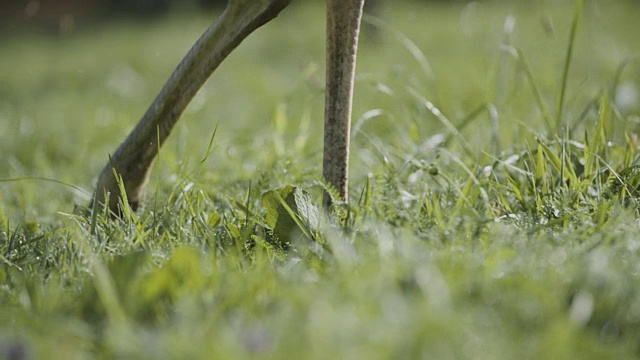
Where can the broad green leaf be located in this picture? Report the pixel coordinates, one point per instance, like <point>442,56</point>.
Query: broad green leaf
<point>213,220</point>
<point>290,209</point>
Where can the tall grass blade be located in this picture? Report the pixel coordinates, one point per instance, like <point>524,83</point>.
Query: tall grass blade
<point>492,112</point>
<point>542,106</point>
<point>85,193</point>
<point>620,70</point>
<point>411,46</point>
<point>567,64</point>
<point>210,146</point>
<point>604,118</point>
<point>503,68</point>
<point>446,122</point>
<point>124,202</point>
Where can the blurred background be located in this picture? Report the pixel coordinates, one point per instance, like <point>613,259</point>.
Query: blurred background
<point>64,16</point>
<point>76,76</point>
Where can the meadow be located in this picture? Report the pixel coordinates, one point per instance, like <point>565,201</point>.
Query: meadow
<point>494,191</point>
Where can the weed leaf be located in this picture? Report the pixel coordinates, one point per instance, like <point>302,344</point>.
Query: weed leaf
<point>290,209</point>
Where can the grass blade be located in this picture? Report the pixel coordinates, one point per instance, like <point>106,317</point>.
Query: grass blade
<point>567,64</point>
<point>542,106</point>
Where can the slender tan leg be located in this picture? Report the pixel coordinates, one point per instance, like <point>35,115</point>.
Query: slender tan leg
<point>343,27</point>
<point>133,159</point>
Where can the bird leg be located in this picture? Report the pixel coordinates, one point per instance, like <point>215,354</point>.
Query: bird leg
<point>343,27</point>
<point>133,159</point>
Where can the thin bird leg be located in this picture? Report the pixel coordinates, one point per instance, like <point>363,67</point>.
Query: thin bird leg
<point>133,159</point>
<point>343,27</point>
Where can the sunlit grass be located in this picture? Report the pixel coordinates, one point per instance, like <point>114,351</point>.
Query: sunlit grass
<point>476,228</point>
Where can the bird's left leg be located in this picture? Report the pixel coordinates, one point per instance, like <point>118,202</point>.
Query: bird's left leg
<point>130,164</point>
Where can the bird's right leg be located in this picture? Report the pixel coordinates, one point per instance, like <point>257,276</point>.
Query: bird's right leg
<point>343,27</point>
<point>133,159</point>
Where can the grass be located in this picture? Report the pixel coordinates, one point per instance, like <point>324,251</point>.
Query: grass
<point>481,225</point>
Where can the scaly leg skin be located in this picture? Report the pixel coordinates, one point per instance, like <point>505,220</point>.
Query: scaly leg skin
<point>343,27</point>
<point>133,159</point>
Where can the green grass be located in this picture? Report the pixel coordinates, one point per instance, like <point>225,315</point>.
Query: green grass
<point>494,192</point>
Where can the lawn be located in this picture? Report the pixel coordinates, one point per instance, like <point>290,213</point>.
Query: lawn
<point>494,191</point>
